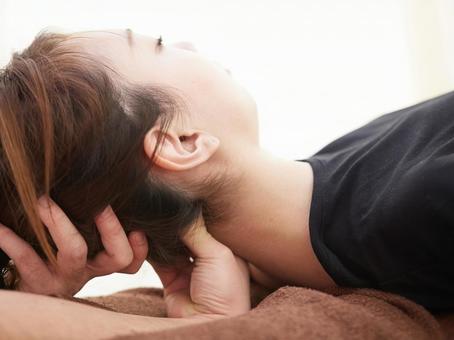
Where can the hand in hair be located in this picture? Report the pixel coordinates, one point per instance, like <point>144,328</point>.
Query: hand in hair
<point>122,253</point>
<point>214,285</point>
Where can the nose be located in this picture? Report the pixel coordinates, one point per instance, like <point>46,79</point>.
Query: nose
<point>224,68</point>
<point>186,45</point>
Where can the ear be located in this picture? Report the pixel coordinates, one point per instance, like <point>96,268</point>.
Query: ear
<point>180,151</point>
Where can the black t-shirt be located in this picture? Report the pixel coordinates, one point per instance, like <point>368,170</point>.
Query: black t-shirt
<point>382,211</point>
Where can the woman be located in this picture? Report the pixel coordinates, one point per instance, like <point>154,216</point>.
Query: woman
<point>118,141</point>
<point>73,128</point>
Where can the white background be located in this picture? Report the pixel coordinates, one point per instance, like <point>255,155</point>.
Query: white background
<point>317,68</point>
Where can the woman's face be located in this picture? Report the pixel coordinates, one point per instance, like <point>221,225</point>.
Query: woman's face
<point>216,101</point>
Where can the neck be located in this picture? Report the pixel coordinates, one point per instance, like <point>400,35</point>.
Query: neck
<point>269,216</point>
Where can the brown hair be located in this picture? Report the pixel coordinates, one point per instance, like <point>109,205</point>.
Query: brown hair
<point>72,130</point>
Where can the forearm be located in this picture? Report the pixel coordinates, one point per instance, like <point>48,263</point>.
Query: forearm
<point>32,316</point>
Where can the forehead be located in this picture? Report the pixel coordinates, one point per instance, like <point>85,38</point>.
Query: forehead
<point>93,40</point>
<point>105,43</point>
<point>108,33</point>
<point>108,47</point>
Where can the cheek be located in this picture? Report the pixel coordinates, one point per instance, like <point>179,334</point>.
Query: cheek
<point>244,108</point>
<point>208,91</point>
<point>235,110</point>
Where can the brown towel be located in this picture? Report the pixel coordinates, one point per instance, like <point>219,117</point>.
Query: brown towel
<point>297,313</point>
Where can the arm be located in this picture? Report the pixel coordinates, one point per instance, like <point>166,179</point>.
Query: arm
<point>32,316</point>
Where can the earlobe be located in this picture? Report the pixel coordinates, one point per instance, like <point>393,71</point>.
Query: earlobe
<point>183,151</point>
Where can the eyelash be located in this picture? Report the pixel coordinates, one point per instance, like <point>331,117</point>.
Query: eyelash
<point>159,42</point>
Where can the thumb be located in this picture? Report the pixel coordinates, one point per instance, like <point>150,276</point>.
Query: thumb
<point>200,242</point>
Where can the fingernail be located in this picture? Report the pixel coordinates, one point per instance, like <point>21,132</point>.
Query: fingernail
<point>139,238</point>
<point>44,202</point>
<point>106,210</point>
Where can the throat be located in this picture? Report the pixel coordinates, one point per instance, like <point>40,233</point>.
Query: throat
<point>270,215</point>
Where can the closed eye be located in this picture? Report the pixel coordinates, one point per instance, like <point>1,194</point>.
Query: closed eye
<point>159,43</point>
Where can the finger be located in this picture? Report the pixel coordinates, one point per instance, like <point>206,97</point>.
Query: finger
<point>176,282</point>
<point>118,253</point>
<point>139,245</point>
<point>201,243</point>
<point>30,266</point>
<point>72,248</point>
<point>173,278</point>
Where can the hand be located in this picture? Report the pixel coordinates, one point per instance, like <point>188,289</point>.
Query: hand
<point>122,254</point>
<point>215,285</point>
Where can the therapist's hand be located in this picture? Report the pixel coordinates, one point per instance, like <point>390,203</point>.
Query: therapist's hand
<point>122,253</point>
<point>214,285</point>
